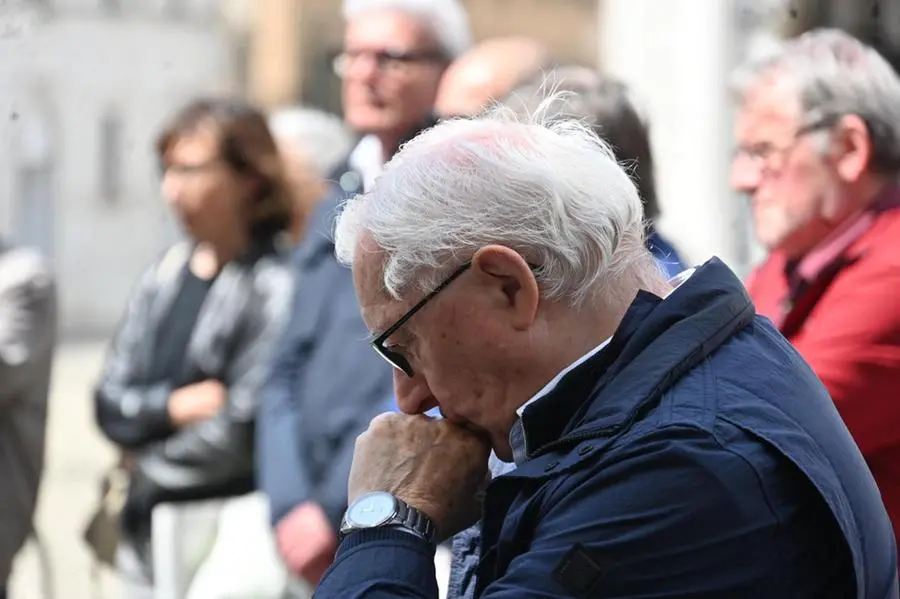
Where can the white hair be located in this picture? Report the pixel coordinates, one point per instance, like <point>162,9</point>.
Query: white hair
<point>546,187</point>
<point>446,20</point>
<point>835,74</point>
<point>321,137</point>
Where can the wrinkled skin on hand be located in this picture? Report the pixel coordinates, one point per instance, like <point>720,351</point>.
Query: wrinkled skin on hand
<point>433,465</point>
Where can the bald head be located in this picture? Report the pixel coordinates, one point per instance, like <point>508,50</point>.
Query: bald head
<point>487,73</point>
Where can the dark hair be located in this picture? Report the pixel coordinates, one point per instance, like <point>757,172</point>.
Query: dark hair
<point>247,146</point>
<point>604,104</point>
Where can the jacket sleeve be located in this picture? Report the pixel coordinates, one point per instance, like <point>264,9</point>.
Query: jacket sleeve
<point>354,385</point>
<point>27,320</point>
<point>365,393</point>
<point>331,494</point>
<point>281,473</point>
<point>663,520</point>
<point>218,452</point>
<point>852,343</point>
<point>131,412</point>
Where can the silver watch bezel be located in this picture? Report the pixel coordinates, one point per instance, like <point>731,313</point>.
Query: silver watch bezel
<point>351,524</point>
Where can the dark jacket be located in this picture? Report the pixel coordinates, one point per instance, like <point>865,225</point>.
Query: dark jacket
<point>231,341</point>
<point>27,339</point>
<point>696,456</point>
<point>326,383</point>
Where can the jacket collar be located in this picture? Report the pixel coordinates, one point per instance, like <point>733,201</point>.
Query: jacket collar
<point>655,344</point>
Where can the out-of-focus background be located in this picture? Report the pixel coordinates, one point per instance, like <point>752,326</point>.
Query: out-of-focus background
<point>86,84</point>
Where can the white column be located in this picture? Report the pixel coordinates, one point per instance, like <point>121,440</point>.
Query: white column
<point>678,55</point>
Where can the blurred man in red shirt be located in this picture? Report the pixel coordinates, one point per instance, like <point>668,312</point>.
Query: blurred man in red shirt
<point>818,153</point>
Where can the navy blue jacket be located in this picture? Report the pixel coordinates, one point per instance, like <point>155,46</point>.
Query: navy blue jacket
<point>326,383</point>
<point>696,456</point>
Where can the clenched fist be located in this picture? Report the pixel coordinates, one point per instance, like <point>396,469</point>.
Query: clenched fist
<point>436,467</point>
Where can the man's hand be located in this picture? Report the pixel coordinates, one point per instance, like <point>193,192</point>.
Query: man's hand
<point>306,542</point>
<point>436,467</point>
<point>196,402</point>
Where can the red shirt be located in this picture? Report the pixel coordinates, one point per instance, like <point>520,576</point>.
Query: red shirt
<point>840,307</point>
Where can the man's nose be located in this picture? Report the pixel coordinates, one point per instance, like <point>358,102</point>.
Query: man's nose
<point>743,176</point>
<point>413,394</point>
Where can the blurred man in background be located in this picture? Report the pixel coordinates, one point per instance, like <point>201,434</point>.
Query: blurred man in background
<point>325,385</point>
<point>818,135</point>
<point>487,73</point>
<point>27,339</point>
<point>395,52</point>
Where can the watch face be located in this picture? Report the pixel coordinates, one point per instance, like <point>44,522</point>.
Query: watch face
<point>371,510</point>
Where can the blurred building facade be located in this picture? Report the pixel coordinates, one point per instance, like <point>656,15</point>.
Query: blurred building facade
<point>86,84</point>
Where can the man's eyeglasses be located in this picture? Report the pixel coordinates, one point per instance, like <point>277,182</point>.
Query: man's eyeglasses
<point>395,358</point>
<point>768,157</point>
<point>385,60</point>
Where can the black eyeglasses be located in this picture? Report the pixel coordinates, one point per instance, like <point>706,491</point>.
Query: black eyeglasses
<point>394,358</point>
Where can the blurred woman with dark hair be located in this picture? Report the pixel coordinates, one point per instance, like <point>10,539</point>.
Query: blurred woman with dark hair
<point>179,390</point>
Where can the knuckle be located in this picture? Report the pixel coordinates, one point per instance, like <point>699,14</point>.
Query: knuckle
<point>382,421</point>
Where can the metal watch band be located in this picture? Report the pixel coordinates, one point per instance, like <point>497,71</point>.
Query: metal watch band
<point>415,520</point>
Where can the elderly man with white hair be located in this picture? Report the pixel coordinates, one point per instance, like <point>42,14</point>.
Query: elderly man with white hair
<point>668,441</point>
<point>395,53</point>
<point>818,136</point>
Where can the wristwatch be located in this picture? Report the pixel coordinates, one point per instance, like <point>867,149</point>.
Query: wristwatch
<point>383,510</point>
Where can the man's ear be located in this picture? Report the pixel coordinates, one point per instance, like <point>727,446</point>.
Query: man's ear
<point>851,147</point>
<point>515,290</point>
